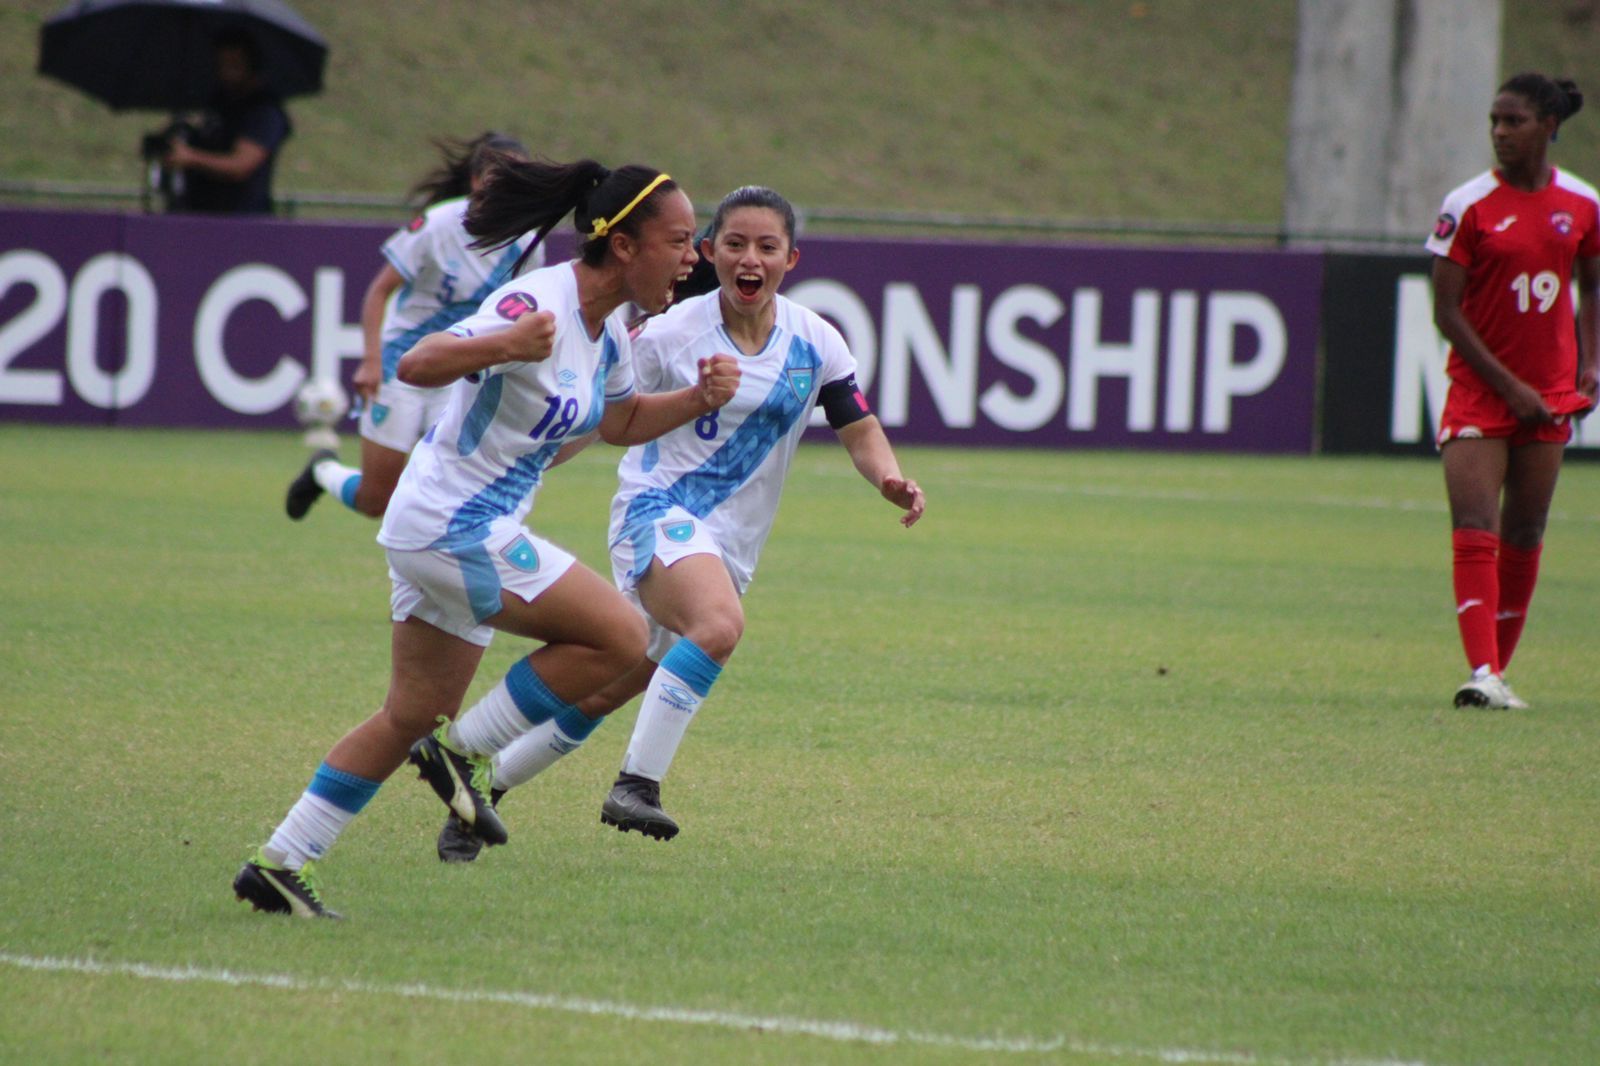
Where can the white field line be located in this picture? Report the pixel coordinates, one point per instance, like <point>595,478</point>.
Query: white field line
<point>1117,492</point>
<point>844,1032</point>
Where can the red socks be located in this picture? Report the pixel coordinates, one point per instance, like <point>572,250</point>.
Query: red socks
<point>1477,584</point>
<point>1519,569</point>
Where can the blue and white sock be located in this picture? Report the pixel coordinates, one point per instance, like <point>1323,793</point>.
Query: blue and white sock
<point>513,707</point>
<point>538,749</point>
<point>318,817</point>
<point>338,480</point>
<point>681,683</point>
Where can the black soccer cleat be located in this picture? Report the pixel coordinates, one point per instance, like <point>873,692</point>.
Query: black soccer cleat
<point>635,803</point>
<point>304,490</point>
<point>279,890</point>
<point>456,842</point>
<point>462,782</point>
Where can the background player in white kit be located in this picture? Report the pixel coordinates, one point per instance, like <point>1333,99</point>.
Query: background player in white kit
<point>545,358</point>
<point>694,508</point>
<point>431,279</point>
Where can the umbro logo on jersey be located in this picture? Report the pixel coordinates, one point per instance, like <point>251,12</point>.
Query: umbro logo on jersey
<point>1445,226</point>
<point>513,305</point>
<point>1505,223</point>
<point>566,378</point>
<point>1562,221</point>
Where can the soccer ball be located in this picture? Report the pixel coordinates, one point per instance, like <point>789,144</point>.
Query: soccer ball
<point>320,403</point>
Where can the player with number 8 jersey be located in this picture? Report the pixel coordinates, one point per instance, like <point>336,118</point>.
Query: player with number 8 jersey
<point>1508,245</point>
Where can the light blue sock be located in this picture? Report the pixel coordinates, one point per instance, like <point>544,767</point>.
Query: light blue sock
<point>513,707</point>
<point>537,750</point>
<point>329,803</point>
<point>681,683</point>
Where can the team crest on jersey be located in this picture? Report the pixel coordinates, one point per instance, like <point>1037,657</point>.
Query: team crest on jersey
<point>1445,226</point>
<point>800,382</point>
<point>680,532</point>
<point>520,554</point>
<point>513,305</point>
<point>1562,221</point>
<point>380,411</point>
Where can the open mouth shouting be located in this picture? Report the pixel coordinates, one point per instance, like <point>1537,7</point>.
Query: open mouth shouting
<point>749,285</point>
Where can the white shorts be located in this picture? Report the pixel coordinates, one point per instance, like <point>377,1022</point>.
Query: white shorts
<point>457,589</point>
<point>675,535</point>
<point>400,414</point>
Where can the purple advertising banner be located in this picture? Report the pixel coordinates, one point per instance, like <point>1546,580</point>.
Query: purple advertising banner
<point>172,321</point>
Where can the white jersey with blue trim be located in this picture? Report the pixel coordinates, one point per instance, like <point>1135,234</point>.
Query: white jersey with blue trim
<point>446,279</point>
<point>726,468</point>
<point>485,456</point>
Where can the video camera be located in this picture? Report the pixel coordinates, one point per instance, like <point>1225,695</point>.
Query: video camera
<point>167,185</point>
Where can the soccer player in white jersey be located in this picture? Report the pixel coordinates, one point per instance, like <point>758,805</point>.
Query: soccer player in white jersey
<point>545,358</point>
<point>431,279</point>
<point>694,508</point>
<point>1507,247</point>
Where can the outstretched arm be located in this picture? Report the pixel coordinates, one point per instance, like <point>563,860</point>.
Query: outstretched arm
<point>869,449</point>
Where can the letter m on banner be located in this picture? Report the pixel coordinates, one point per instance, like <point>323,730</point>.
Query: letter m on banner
<point>1419,358</point>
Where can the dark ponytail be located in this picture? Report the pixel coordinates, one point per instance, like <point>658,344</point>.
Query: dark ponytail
<point>1549,96</point>
<point>534,196</point>
<point>460,162</point>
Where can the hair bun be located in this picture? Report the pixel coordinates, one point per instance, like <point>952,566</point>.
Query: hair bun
<point>1573,93</point>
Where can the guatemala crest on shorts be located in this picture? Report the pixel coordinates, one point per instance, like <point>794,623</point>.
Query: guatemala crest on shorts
<point>380,411</point>
<point>678,532</point>
<point>520,554</point>
<point>800,381</point>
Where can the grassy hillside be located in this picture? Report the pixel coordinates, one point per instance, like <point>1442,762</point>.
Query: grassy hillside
<point>1166,109</point>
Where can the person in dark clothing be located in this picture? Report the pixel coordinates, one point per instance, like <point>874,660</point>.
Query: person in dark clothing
<point>226,162</point>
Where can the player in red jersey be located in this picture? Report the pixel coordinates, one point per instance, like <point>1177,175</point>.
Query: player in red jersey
<point>1506,247</point>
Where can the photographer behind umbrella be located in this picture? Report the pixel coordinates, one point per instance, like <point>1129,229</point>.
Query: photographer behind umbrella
<point>224,163</point>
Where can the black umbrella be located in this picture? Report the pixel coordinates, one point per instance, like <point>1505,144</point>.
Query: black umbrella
<point>160,54</point>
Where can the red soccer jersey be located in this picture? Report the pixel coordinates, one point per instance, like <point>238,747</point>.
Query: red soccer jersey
<point>1518,249</point>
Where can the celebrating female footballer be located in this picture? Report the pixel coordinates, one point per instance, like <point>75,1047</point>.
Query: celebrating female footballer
<point>543,359</point>
<point>693,509</point>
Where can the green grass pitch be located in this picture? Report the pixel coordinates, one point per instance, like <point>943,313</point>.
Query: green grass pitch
<point>1114,758</point>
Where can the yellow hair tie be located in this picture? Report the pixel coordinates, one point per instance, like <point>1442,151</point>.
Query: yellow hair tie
<point>603,226</point>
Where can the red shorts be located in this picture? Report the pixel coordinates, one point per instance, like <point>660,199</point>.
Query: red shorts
<point>1480,412</point>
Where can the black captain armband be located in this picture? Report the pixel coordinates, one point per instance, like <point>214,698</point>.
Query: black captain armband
<point>842,402</point>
